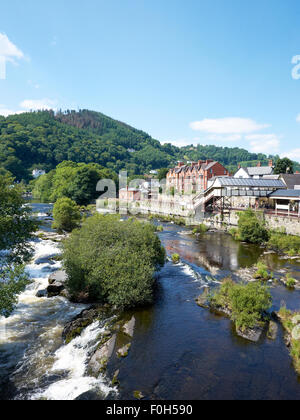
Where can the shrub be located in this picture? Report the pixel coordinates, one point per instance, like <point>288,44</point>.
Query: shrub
<point>262,272</point>
<point>247,303</point>
<point>175,258</point>
<point>113,262</point>
<point>252,229</point>
<point>159,229</point>
<point>289,244</point>
<point>200,229</point>
<point>66,215</point>
<point>290,281</point>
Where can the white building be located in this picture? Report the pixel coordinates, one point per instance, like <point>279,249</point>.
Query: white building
<point>36,173</point>
<point>256,172</point>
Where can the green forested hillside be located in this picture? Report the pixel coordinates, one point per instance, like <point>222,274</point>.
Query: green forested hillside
<point>45,139</point>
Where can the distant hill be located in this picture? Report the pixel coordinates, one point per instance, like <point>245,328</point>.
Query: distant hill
<point>44,139</point>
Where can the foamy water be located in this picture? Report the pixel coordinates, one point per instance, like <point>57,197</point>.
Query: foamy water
<point>31,347</point>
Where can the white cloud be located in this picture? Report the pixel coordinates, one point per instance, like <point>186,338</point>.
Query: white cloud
<point>38,104</point>
<point>298,118</point>
<point>264,143</point>
<point>227,126</point>
<point>9,50</point>
<point>293,154</point>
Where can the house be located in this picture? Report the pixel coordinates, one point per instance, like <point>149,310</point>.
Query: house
<point>36,173</point>
<point>194,177</point>
<point>130,194</point>
<point>292,181</point>
<point>286,201</point>
<point>255,172</point>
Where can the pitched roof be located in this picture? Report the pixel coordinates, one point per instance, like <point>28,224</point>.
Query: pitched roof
<point>291,180</point>
<point>286,193</point>
<point>260,170</point>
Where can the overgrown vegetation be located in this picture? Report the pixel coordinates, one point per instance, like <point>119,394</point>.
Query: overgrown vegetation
<point>16,228</point>
<point>44,139</point>
<point>113,262</point>
<point>291,323</point>
<point>200,229</point>
<point>66,215</point>
<point>288,244</point>
<point>245,303</point>
<point>251,228</point>
<point>176,258</point>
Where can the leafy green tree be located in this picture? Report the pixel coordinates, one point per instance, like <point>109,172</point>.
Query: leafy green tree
<point>16,228</point>
<point>66,215</point>
<point>251,228</point>
<point>162,173</point>
<point>284,166</point>
<point>112,261</point>
<point>248,303</point>
<point>245,302</point>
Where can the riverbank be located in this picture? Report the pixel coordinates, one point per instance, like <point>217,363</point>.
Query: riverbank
<point>178,350</point>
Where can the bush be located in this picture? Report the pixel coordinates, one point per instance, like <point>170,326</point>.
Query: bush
<point>247,303</point>
<point>112,262</point>
<point>200,229</point>
<point>285,243</point>
<point>175,258</point>
<point>252,229</point>
<point>262,272</point>
<point>159,228</point>
<point>290,281</point>
<point>66,215</point>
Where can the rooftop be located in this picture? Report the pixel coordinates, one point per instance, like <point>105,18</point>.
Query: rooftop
<point>285,193</point>
<point>249,182</point>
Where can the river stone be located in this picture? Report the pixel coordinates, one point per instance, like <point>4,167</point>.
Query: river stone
<point>99,360</point>
<point>55,289</point>
<point>202,299</point>
<point>74,328</point>
<point>296,333</point>
<point>296,319</point>
<point>129,327</point>
<point>272,331</point>
<point>123,351</point>
<point>41,293</point>
<point>251,334</point>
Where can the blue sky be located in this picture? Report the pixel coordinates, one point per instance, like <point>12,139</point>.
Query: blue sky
<point>194,71</point>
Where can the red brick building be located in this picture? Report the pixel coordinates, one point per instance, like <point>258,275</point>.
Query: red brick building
<point>130,194</point>
<point>194,178</point>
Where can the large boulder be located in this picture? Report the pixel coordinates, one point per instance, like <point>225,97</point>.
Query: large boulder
<point>251,334</point>
<point>128,328</point>
<point>272,331</point>
<point>99,361</point>
<point>74,328</point>
<point>55,289</point>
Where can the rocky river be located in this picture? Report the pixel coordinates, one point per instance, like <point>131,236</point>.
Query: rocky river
<point>177,351</point>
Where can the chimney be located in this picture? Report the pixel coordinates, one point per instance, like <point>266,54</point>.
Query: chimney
<point>194,164</point>
<point>239,166</point>
<point>209,161</point>
<point>271,163</point>
<point>259,165</point>
<point>200,162</point>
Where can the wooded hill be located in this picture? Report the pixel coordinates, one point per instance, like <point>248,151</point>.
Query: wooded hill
<point>44,139</point>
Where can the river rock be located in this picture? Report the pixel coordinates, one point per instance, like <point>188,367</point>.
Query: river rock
<point>296,333</point>
<point>272,331</point>
<point>100,359</point>
<point>251,334</point>
<point>296,320</point>
<point>55,289</point>
<point>74,328</point>
<point>202,299</point>
<point>123,351</point>
<point>128,328</point>
<point>42,293</point>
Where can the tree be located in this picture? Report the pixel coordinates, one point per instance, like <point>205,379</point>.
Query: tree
<point>162,173</point>
<point>284,166</point>
<point>112,261</point>
<point>251,228</point>
<point>66,215</point>
<point>16,228</point>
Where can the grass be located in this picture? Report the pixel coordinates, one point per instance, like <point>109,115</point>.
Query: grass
<point>175,258</point>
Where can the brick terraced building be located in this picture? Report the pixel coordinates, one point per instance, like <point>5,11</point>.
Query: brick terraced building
<point>194,177</point>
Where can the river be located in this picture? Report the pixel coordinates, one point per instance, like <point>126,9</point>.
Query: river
<point>179,350</point>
